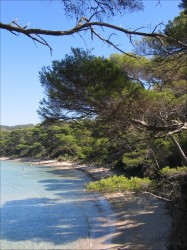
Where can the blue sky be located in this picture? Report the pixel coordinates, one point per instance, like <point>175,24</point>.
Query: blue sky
<point>21,59</point>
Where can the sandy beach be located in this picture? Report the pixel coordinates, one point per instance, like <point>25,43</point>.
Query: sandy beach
<point>141,221</point>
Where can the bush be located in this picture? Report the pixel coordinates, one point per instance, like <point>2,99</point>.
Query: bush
<point>167,171</point>
<point>119,183</point>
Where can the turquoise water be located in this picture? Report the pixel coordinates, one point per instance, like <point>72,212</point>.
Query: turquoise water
<point>47,208</point>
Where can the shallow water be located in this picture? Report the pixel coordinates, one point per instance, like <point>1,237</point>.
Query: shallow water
<point>47,208</point>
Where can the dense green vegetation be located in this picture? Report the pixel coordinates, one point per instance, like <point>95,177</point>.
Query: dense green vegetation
<point>133,152</point>
<point>167,171</point>
<point>2,127</point>
<point>120,184</point>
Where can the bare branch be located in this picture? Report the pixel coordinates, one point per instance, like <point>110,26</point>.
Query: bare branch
<point>174,128</point>
<point>158,197</point>
<point>110,43</point>
<point>156,27</point>
<point>14,33</point>
<point>182,154</point>
<point>84,26</point>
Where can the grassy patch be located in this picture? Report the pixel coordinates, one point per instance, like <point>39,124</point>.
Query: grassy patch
<point>167,171</point>
<point>119,183</point>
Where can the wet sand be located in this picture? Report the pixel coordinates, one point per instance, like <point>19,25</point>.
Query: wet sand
<point>141,221</point>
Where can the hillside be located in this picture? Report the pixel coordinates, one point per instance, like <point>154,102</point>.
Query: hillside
<point>6,127</point>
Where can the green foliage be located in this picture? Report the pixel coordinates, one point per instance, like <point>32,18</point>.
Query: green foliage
<point>4,127</point>
<point>177,28</point>
<point>119,183</point>
<point>36,150</point>
<point>88,141</point>
<point>79,85</point>
<point>4,141</point>
<point>169,56</point>
<point>22,149</point>
<point>135,158</point>
<point>167,171</point>
<point>137,68</point>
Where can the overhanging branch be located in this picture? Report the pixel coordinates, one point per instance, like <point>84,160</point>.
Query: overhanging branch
<point>173,128</point>
<point>83,25</point>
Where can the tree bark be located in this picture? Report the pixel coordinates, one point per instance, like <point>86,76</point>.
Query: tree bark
<point>180,150</point>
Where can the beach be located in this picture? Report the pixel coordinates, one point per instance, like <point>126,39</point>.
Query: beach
<point>141,221</point>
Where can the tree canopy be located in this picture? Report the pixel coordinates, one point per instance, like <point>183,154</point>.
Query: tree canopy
<point>84,86</point>
<point>170,59</point>
<point>80,85</point>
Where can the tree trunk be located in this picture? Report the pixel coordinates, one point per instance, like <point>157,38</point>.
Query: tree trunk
<point>181,152</point>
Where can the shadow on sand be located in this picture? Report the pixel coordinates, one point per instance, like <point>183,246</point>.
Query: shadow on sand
<point>73,214</point>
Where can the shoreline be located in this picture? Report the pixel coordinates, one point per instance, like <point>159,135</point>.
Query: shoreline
<point>95,172</point>
<point>142,221</point>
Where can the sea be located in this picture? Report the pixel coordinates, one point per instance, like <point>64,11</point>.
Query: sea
<point>45,207</point>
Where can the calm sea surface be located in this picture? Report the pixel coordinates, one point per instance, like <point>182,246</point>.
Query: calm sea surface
<point>47,208</point>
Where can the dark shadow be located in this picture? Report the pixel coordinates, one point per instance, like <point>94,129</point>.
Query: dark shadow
<point>144,223</point>
<point>48,220</point>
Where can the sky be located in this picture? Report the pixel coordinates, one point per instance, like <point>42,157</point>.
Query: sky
<point>22,59</point>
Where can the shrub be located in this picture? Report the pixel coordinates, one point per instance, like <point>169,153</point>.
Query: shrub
<point>167,171</point>
<point>119,183</point>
